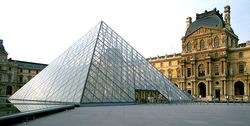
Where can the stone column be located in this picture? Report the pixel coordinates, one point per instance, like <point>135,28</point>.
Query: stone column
<point>207,89</point>
<point>225,67</point>
<point>225,88</point>
<point>232,88</point>
<point>182,70</point>
<point>194,87</point>
<point>211,88</point>
<point>222,68</point>
<point>222,87</point>
<point>207,69</point>
<point>193,70</point>
<point>210,67</point>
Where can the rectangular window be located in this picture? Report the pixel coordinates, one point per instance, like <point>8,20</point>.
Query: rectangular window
<point>10,69</point>
<point>241,69</point>
<point>169,63</point>
<point>188,72</point>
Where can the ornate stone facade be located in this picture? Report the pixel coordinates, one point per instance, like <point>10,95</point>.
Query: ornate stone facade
<point>212,65</point>
<point>14,73</point>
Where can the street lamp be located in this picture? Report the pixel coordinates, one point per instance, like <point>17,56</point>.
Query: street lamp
<point>213,99</point>
<point>227,98</point>
<point>200,99</point>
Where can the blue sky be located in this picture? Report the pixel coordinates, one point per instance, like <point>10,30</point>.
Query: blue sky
<point>41,30</point>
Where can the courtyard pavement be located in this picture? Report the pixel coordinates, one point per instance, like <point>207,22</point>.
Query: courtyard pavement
<point>150,115</point>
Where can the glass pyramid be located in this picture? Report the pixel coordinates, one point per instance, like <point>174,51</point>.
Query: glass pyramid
<point>101,67</point>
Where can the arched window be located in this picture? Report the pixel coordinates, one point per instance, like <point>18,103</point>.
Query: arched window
<point>202,89</point>
<point>239,88</point>
<point>189,46</point>
<point>202,44</point>
<point>216,42</point>
<point>9,90</point>
<point>201,70</point>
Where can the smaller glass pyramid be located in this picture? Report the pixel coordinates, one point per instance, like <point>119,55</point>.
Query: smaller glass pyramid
<point>101,67</point>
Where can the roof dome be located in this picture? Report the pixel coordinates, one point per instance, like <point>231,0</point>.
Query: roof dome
<point>211,21</point>
<point>208,19</point>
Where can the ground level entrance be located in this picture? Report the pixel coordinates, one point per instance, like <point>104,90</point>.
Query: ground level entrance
<point>149,96</point>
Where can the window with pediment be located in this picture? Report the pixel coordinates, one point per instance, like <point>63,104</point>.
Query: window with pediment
<point>241,68</point>
<point>201,70</point>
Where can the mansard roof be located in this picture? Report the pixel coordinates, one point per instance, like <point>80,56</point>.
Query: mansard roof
<point>209,19</point>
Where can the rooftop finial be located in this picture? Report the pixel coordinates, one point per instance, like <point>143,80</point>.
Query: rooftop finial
<point>227,15</point>
<point>188,21</point>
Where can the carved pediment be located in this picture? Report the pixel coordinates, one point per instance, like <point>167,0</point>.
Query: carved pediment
<point>202,31</point>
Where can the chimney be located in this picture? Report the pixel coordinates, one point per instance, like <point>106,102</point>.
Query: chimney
<point>188,21</point>
<point>227,15</point>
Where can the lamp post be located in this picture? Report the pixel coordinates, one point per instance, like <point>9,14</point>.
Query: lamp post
<point>227,98</point>
<point>200,99</point>
<point>213,99</point>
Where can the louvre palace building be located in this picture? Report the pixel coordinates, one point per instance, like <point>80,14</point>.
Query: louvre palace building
<point>15,73</point>
<point>212,64</point>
